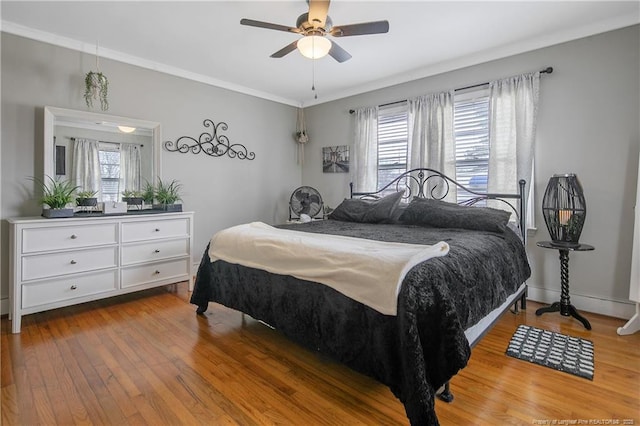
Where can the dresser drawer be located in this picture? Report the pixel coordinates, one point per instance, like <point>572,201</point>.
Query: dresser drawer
<point>155,250</point>
<point>69,262</point>
<point>68,237</point>
<point>67,288</point>
<point>137,275</point>
<point>153,229</point>
<point>54,263</point>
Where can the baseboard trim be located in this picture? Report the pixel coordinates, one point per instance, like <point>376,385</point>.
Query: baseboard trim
<point>611,308</point>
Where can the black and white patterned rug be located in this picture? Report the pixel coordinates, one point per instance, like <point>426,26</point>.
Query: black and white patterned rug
<point>558,351</point>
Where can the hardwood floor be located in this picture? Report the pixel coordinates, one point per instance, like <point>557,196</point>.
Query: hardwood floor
<point>146,358</point>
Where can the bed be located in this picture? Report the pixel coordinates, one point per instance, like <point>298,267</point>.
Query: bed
<point>444,304</point>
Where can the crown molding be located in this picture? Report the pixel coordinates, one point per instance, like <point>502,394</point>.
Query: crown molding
<point>500,52</point>
<point>69,43</point>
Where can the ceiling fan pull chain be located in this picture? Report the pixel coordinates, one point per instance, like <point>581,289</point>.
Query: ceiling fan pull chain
<point>313,78</point>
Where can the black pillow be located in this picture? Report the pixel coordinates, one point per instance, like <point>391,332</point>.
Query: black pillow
<point>367,211</point>
<point>440,214</point>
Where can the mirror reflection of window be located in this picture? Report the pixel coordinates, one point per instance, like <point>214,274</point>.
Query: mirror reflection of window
<point>137,149</point>
<point>107,168</point>
<point>119,169</point>
<point>110,174</point>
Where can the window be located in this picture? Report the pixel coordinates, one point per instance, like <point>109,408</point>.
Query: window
<point>110,173</point>
<point>392,142</point>
<point>471,131</point>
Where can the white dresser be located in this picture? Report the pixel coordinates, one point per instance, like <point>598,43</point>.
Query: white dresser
<point>61,262</point>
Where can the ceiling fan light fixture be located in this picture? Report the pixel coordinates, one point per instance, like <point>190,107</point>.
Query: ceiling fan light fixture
<point>314,46</point>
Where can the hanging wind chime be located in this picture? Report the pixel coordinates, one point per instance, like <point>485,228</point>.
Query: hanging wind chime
<point>96,87</point>
<point>301,135</point>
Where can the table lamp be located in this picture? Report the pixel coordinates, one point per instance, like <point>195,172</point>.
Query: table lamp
<point>564,209</point>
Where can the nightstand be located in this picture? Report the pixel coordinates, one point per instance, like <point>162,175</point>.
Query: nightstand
<point>564,306</point>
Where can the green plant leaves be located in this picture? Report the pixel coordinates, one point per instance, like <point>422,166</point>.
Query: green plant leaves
<point>168,192</point>
<point>57,193</point>
<point>96,86</point>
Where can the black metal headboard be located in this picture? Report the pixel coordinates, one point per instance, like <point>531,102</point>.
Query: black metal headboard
<point>429,183</point>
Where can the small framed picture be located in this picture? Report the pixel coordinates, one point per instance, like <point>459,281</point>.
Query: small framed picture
<point>335,159</point>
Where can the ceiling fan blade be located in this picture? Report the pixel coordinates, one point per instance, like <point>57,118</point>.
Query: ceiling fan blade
<point>376,27</point>
<point>285,50</point>
<point>268,25</point>
<point>318,10</point>
<point>338,53</point>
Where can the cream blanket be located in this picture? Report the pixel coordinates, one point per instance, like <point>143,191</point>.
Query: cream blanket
<point>367,271</point>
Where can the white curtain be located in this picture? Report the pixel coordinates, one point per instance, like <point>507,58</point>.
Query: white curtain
<point>365,155</point>
<point>513,112</point>
<point>85,165</point>
<point>130,167</point>
<point>431,139</point>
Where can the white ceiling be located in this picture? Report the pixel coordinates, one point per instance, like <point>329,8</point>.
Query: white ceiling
<point>204,40</point>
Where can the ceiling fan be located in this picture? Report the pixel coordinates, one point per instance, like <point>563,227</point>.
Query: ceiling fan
<point>314,26</point>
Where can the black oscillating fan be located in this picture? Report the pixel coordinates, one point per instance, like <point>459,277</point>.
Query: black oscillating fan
<point>305,200</point>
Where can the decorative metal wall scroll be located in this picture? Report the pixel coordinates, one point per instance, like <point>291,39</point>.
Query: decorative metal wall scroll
<point>213,144</point>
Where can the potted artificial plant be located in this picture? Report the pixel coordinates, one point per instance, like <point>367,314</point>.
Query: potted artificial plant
<point>166,194</point>
<point>96,86</point>
<point>132,198</point>
<point>148,193</point>
<point>86,199</point>
<point>56,194</point>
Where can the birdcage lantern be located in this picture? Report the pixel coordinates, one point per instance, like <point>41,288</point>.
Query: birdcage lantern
<point>564,209</point>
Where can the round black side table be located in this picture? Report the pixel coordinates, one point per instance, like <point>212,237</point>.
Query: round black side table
<point>564,306</point>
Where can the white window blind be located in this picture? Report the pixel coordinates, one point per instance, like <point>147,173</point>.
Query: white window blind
<point>392,142</point>
<point>471,127</point>
<point>472,124</point>
<point>110,174</point>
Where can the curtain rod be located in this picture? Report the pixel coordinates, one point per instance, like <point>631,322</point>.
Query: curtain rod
<point>547,70</point>
<point>134,143</point>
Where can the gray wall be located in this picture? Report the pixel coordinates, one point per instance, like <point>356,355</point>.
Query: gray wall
<point>221,191</point>
<point>587,124</point>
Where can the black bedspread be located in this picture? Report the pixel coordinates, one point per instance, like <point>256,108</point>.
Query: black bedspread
<point>413,353</point>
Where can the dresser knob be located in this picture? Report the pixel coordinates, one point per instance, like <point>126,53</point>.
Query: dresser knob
<point>73,262</point>
<point>157,229</point>
<point>157,272</point>
<point>74,287</point>
<point>73,236</point>
<point>156,251</point>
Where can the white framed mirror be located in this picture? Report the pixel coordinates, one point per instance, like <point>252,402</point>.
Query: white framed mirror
<point>97,152</point>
